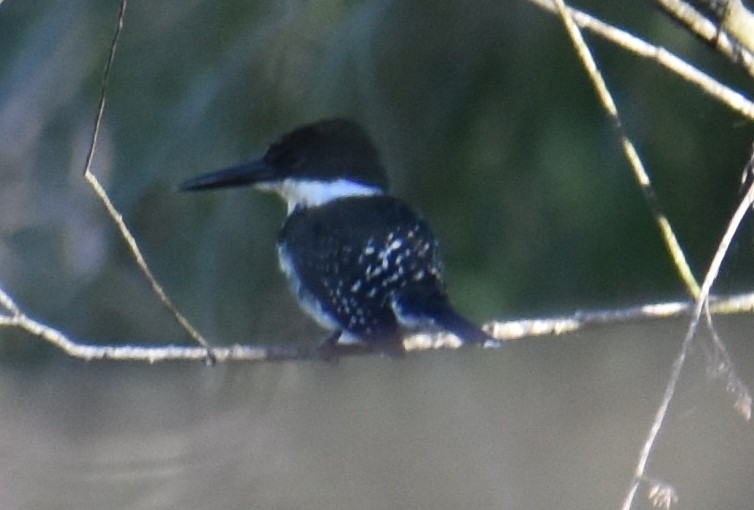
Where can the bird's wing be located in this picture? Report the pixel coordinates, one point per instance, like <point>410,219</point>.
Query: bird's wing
<point>351,256</point>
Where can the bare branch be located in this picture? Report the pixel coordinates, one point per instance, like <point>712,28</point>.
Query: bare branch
<point>113,212</point>
<point>731,18</point>
<point>738,21</point>
<point>709,279</point>
<point>504,331</point>
<point>663,495</point>
<point>729,97</point>
<point>640,173</point>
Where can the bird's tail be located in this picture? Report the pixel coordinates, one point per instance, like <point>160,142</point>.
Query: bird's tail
<point>416,308</point>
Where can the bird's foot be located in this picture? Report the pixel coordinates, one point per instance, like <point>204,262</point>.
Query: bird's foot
<point>329,350</point>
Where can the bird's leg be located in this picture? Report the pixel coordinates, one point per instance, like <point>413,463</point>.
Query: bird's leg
<point>331,350</point>
<point>332,340</point>
<point>328,349</point>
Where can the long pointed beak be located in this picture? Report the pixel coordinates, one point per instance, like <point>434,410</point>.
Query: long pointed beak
<point>245,174</point>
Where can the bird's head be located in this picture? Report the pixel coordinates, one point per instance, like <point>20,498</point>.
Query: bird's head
<point>309,166</point>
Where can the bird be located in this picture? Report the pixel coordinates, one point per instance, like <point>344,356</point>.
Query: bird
<point>359,260</point>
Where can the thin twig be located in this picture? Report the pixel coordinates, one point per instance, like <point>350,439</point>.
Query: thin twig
<point>701,294</point>
<point>716,34</point>
<point>703,297</point>
<point>115,214</point>
<point>640,173</point>
<point>721,367</point>
<point>729,97</point>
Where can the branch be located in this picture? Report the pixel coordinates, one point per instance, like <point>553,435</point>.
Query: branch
<point>731,32</point>
<point>661,493</point>
<point>506,331</point>
<point>640,173</point>
<point>743,404</point>
<point>729,97</point>
<point>115,215</point>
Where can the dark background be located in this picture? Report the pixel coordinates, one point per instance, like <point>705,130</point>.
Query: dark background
<point>487,124</point>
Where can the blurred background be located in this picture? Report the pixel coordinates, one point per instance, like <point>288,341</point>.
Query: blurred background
<point>483,116</point>
<point>487,124</point>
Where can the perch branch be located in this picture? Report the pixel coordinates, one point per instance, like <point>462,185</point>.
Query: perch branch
<point>507,331</point>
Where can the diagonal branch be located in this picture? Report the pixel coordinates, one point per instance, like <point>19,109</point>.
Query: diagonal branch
<point>729,97</point>
<point>662,492</point>
<point>640,173</point>
<point>731,34</point>
<point>115,215</point>
<point>701,301</point>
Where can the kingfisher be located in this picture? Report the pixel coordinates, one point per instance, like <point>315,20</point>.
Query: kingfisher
<point>360,261</point>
